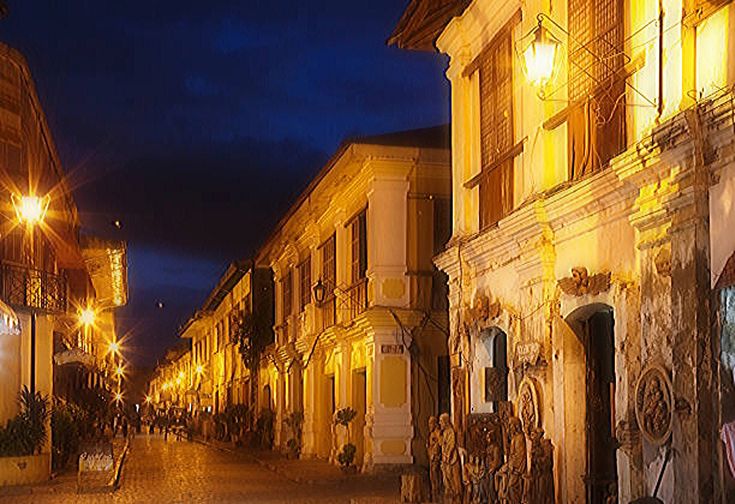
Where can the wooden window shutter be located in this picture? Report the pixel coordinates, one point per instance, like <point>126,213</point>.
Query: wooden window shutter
<point>495,67</point>
<point>596,121</point>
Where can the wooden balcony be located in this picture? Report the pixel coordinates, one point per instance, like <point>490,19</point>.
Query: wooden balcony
<point>23,287</point>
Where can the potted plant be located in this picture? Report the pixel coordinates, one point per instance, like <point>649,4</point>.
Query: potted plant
<point>346,457</point>
<point>294,422</point>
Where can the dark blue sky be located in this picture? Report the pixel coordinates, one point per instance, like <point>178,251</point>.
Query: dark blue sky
<point>196,122</point>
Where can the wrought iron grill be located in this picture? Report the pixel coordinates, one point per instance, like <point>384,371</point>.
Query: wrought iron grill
<point>27,287</point>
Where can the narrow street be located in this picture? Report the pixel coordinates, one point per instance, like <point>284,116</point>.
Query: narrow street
<point>159,471</point>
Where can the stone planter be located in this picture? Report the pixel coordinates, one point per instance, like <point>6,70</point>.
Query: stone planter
<point>25,470</point>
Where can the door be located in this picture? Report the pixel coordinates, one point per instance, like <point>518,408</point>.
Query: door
<point>359,401</point>
<point>600,400</point>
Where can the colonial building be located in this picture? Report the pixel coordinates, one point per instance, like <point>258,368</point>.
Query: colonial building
<point>235,320</point>
<point>360,310</point>
<point>593,178</point>
<point>45,279</point>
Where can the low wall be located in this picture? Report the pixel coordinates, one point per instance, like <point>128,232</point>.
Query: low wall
<point>25,470</point>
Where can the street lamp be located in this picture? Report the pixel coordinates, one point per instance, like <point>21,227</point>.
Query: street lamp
<point>320,292</point>
<point>114,347</point>
<point>87,316</point>
<point>31,210</point>
<point>539,56</point>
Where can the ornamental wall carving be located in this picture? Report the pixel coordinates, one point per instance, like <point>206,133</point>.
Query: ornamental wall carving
<point>654,404</point>
<point>582,283</point>
<point>527,405</point>
<point>482,311</point>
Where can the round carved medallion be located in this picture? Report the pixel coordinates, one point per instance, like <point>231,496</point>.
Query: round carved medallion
<point>654,404</point>
<point>527,405</point>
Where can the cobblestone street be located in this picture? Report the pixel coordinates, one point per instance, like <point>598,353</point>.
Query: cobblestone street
<point>159,471</point>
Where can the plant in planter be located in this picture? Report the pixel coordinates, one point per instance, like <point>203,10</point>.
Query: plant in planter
<point>346,457</point>
<point>26,433</point>
<point>294,422</point>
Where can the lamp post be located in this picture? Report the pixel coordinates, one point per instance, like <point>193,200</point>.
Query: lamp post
<point>30,211</point>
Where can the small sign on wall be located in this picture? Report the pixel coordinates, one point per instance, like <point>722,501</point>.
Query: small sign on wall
<point>391,349</point>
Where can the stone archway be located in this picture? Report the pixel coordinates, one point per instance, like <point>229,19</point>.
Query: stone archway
<point>593,433</point>
<point>584,368</point>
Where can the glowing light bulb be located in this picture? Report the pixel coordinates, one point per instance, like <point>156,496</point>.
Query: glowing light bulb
<point>540,57</point>
<point>87,316</point>
<point>30,209</point>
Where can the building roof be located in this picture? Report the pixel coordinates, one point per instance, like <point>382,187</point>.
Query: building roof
<point>423,21</point>
<point>433,137</point>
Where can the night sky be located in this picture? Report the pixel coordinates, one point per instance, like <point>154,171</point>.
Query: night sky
<point>195,123</point>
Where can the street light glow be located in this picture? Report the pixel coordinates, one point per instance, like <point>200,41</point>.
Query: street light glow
<point>114,347</point>
<point>118,396</point>
<point>87,316</point>
<point>119,371</point>
<point>200,369</point>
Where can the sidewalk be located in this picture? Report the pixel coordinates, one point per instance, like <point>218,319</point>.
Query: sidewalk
<point>64,483</point>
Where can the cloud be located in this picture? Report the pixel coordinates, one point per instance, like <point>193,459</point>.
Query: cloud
<point>197,123</point>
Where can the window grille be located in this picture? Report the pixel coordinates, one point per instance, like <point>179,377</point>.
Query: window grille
<point>495,67</point>
<point>596,121</point>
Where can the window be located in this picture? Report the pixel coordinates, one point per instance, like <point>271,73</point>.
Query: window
<point>329,264</point>
<point>497,146</point>
<point>358,236</point>
<point>442,223</point>
<point>305,283</point>
<point>287,291</point>
<point>13,245</point>
<point>328,251</point>
<point>596,119</point>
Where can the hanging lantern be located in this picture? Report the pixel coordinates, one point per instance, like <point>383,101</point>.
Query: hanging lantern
<point>320,292</point>
<point>539,57</point>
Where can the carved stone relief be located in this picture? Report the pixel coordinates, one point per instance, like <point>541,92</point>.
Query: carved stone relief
<point>483,310</point>
<point>528,354</point>
<point>581,283</point>
<point>654,404</point>
<point>527,405</point>
<point>663,262</point>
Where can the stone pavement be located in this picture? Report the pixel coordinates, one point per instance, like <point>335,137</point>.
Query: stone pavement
<point>180,471</point>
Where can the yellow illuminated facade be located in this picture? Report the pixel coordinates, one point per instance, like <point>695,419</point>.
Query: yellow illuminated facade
<point>359,308</point>
<point>592,215</point>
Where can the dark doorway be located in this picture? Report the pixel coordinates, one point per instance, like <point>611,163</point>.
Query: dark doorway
<point>359,403</point>
<point>599,344</point>
<point>500,363</point>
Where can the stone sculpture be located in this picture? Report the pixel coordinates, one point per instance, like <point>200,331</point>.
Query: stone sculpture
<point>475,473</point>
<point>433,448</point>
<point>581,283</point>
<point>510,477</point>
<point>540,479</point>
<point>450,463</point>
<point>493,462</point>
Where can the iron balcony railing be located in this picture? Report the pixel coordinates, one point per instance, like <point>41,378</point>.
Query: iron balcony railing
<point>356,298</point>
<point>26,287</point>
